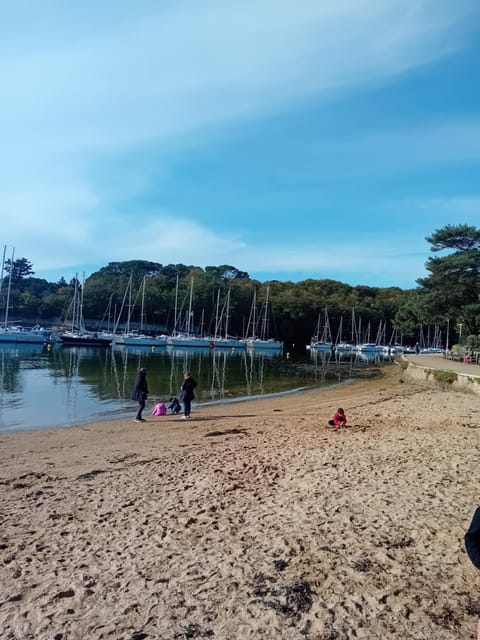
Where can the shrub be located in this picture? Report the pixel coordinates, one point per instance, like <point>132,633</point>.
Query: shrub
<point>445,377</point>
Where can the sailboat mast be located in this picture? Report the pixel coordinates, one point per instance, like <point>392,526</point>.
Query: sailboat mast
<point>75,302</point>
<point>3,267</point>
<point>190,312</point>
<point>118,317</point>
<point>80,307</point>
<point>340,331</point>
<point>175,317</point>
<point>227,314</point>
<point>142,312</point>
<point>217,316</point>
<point>129,315</point>
<point>7,304</point>
<point>265,316</point>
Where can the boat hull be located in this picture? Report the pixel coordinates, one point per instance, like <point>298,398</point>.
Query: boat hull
<point>26,336</point>
<point>322,346</point>
<point>225,343</point>
<point>140,341</point>
<point>190,343</point>
<point>274,345</point>
<point>84,340</point>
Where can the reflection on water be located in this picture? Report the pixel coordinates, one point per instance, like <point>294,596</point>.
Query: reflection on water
<point>52,386</point>
<point>326,361</point>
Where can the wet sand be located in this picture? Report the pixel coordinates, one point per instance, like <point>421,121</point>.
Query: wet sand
<point>252,520</point>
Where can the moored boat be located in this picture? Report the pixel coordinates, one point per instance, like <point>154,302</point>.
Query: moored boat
<point>260,340</point>
<point>370,347</point>
<point>78,335</point>
<point>19,334</point>
<point>84,339</point>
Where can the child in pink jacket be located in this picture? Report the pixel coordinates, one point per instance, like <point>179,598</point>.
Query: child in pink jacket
<point>159,409</point>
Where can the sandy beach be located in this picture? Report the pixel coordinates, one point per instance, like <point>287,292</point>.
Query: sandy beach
<point>252,520</point>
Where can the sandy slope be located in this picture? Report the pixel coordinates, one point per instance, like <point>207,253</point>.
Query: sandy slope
<point>253,520</point>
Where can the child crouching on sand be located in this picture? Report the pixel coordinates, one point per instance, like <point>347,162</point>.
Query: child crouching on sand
<point>339,419</point>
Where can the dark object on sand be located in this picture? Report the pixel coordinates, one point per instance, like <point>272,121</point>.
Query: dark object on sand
<point>280,565</point>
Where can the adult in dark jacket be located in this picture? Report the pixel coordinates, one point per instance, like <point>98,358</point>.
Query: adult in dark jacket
<point>140,393</point>
<point>472,545</point>
<point>187,395</point>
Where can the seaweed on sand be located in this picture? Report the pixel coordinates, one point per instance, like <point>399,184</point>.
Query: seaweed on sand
<point>363,565</point>
<point>192,631</point>
<point>290,600</point>
<point>226,432</point>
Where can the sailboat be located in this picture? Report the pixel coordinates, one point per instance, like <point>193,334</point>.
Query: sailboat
<point>261,341</point>
<point>187,339</point>
<point>323,341</point>
<point>394,347</point>
<point>16,333</point>
<point>78,335</point>
<point>139,338</point>
<point>434,346</point>
<point>340,345</point>
<point>222,318</point>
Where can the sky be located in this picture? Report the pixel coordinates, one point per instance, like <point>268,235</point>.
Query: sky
<point>291,140</point>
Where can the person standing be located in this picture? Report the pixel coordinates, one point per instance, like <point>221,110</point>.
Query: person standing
<point>140,393</point>
<point>187,388</point>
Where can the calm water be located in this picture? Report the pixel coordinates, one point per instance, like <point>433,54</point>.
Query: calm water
<point>42,387</point>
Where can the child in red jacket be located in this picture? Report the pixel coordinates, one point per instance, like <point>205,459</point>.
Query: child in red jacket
<point>339,419</point>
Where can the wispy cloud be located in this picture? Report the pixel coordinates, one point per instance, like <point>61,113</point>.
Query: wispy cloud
<point>172,72</point>
<point>85,83</point>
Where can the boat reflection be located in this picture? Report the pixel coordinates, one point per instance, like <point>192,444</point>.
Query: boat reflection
<point>342,364</point>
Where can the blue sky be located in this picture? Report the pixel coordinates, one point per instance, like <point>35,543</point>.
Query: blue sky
<point>297,140</point>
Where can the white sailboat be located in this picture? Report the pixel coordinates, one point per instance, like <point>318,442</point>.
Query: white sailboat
<point>17,333</point>
<point>367,346</point>
<point>139,338</point>
<point>187,339</point>
<point>77,335</point>
<point>340,345</point>
<point>261,341</point>
<point>322,341</point>
<point>222,319</point>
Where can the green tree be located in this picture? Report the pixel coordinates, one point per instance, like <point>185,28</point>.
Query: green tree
<point>452,288</point>
<point>20,268</point>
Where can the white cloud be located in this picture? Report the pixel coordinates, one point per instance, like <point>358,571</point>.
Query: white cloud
<point>170,73</point>
<point>85,82</point>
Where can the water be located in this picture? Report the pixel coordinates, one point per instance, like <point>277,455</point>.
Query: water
<point>48,387</point>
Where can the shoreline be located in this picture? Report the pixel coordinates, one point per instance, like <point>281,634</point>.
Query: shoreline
<point>121,414</point>
<point>253,519</point>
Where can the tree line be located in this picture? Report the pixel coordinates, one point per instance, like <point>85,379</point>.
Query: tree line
<point>448,296</point>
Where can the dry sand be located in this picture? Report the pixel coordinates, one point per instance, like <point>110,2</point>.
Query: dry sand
<point>253,520</point>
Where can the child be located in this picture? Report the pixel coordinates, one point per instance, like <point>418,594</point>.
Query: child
<point>339,419</point>
<point>174,405</point>
<point>159,409</point>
